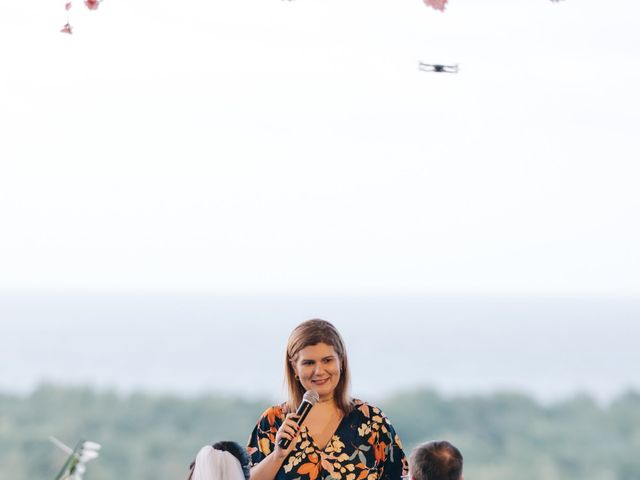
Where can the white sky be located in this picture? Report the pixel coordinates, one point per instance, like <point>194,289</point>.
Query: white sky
<point>258,145</point>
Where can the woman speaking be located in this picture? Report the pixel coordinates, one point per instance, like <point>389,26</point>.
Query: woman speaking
<point>341,438</point>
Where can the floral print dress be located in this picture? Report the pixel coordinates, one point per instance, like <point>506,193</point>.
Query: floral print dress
<point>364,447</point>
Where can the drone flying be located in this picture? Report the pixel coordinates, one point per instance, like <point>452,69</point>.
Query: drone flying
<point>437,68</point>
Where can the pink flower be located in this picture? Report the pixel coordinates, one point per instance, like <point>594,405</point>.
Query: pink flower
<point>437,4</point>
<point>92,4</point>
<point>67,28</point>
<point>67,6</point>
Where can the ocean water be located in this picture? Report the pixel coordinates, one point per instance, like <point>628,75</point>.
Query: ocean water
<point>189,344</point>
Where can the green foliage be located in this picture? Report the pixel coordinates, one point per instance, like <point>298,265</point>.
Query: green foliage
<point>509,436</point>
<point>502,436</point>
<point>143,436</point>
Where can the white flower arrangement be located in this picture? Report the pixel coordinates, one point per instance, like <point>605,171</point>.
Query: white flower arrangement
<point>75,465</point>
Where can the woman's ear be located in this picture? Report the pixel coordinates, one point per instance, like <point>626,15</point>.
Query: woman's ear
<point>293,367</point>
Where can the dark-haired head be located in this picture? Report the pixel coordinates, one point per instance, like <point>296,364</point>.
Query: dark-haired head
<point>237,451</point>
<point>436,461</point>
<point>234,449</point>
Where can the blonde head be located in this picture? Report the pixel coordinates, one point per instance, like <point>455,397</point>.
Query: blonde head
<point>313,332</point>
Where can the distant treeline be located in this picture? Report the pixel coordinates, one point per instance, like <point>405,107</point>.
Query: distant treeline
<point>155,437</point>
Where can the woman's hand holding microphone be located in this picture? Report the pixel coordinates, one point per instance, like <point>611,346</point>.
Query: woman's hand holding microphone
<point>288,431</point>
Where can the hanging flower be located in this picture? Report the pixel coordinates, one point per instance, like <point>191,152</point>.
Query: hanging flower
<point>92,4</point>
<point>437,4</point>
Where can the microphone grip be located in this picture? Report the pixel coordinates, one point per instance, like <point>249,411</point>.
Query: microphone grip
<point>302,412</point>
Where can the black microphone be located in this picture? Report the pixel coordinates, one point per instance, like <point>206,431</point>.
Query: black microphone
<point>309,399</point>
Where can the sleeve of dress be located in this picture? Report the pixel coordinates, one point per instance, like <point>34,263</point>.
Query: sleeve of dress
<point>262,439</point>
<point>395,465</point>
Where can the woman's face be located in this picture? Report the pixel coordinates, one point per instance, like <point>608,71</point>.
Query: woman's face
<point>318,368</point>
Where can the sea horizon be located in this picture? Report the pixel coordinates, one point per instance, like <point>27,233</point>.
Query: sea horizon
<point>192,344</point>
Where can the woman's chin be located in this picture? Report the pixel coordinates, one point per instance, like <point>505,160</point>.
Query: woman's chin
<point>325,390</point>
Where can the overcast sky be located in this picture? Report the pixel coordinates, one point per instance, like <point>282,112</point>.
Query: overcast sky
<point>261,145</point>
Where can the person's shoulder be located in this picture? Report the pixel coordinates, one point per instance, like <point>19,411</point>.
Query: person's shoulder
<point>368,411</point>
<point>274,412</point>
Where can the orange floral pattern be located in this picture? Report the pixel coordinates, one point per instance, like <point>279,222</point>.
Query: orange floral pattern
<point>364,447</point>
